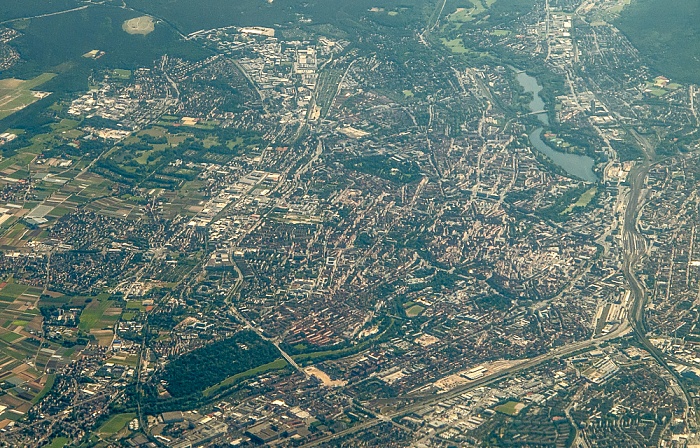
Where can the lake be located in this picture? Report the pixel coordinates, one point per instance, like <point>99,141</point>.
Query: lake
<point>574,164</point>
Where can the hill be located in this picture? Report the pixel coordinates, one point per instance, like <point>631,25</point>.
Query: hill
<point>667,35</point>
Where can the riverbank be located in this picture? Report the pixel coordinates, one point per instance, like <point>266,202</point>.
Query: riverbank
<point>575,165</point>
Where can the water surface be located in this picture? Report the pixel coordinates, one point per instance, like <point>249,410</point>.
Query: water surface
<point>574,164</point>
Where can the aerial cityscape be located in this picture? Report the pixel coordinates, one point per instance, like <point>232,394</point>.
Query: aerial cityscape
<point>375,223</point>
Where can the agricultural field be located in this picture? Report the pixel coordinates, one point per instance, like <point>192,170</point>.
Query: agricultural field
<point>24,383</point>
<point>12,291</point>
<point>16,94</point>
<point>44,155</point>
<point>125,360</point>
<point>115,207</point>
<point>56,158</point>
<point>98,319</point>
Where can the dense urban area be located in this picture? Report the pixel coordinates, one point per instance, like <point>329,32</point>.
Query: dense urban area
<point>453,223</point>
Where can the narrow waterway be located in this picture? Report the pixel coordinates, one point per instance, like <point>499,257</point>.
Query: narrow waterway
<point>574,164</point>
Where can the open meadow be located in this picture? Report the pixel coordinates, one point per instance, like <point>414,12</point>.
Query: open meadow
<point>16,94</point>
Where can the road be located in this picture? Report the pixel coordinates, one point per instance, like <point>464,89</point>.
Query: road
<point>634,248</point>
<point>488,379</point>
<point>432,24</point>
<point>250,326</point>
<point>80,8</point>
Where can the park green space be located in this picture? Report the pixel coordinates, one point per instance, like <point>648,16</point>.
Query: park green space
<point>582,201</point>
<point>115,424</point>
<point>58,442</point>
<point>658,90</point>
<point>135,305</point>
<point>469,11</point>
<point>455,45</point>
<point>130,360</point>
<point>212,364</point>
<point>145,159</point>
<point>278,364</point>
<point>122,74</point>
<point>389,168</point>
<point>574,199</point>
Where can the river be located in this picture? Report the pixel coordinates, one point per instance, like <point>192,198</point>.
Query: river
<point>574,164</point>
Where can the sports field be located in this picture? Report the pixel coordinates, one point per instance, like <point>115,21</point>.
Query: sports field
<point>510,408</point>
<point>16,94</point>
<point>414,311</point>
<point>115,424</point>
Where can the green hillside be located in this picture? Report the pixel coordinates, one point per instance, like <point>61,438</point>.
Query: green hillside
<point>667,35</point>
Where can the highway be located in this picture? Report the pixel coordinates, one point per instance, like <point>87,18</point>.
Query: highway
<point>634,248</point>
<point>431,400</point>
